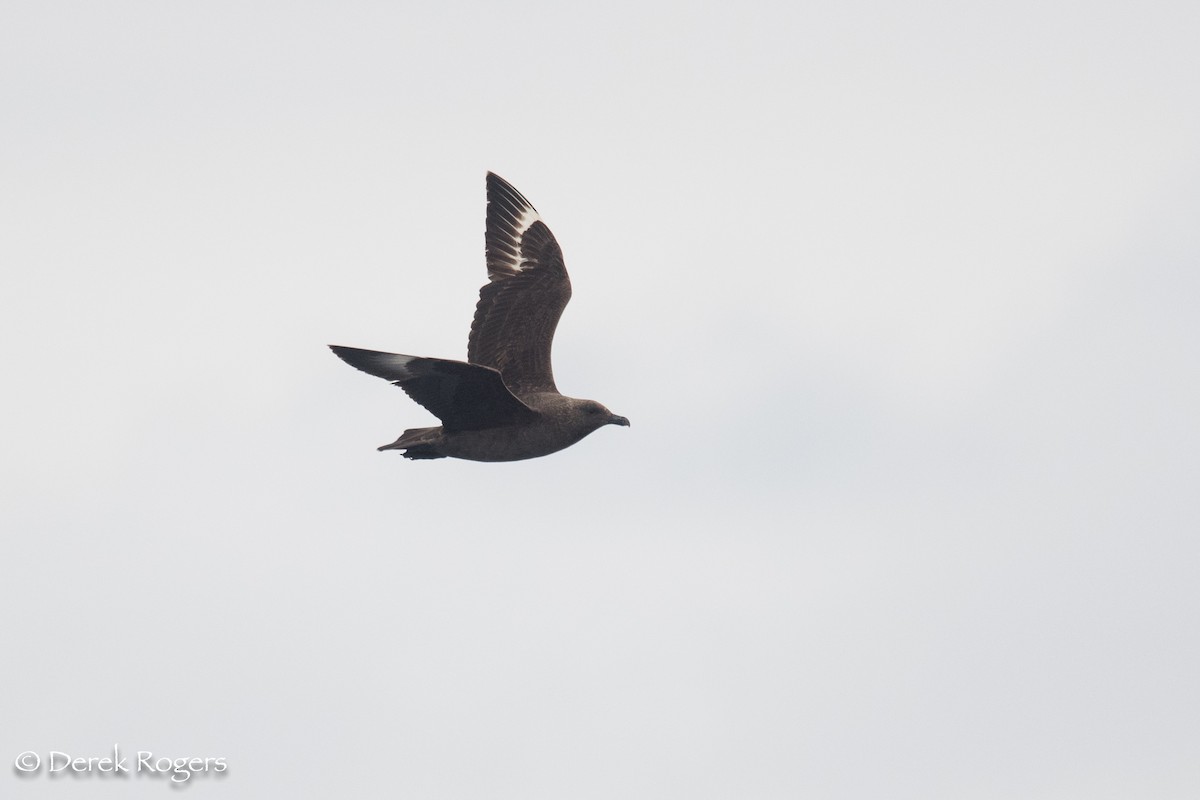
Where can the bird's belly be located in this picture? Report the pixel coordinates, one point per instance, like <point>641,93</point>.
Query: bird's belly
<point>506,444</point>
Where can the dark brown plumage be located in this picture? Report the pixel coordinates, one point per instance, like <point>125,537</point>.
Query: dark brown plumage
<point>501,404</point>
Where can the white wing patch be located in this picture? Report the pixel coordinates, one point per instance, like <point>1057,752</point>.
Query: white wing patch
<point>512,264</point>
<point>394,363</point>
<point>523,224</point>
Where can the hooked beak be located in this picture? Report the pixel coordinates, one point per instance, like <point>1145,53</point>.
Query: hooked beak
<point>617,419</point>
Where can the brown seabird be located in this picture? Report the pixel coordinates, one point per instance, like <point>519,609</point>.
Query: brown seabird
<point>500,404</point>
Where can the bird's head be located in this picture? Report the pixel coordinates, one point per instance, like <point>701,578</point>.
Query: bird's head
<point>596,415</point>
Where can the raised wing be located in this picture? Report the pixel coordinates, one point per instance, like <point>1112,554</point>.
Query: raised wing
<point>465,397</point>
<point>526,293</point>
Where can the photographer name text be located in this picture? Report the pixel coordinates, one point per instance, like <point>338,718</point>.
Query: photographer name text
<point>145,762</point>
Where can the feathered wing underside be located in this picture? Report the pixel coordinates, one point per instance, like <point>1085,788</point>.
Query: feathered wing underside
<point>527,290</point>
<point>465,397</point>
<point>509,215</point>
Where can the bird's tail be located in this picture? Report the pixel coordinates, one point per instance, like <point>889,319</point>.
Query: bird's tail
<point>418,443</point>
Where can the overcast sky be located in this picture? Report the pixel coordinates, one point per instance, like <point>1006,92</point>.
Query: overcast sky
<point>902,300</point>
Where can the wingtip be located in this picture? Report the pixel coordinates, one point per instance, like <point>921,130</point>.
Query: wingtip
<point>498,188</point>
<point>341,351</point>
<point>389,366</point>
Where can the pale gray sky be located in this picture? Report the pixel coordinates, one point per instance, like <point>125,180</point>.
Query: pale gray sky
<point>902,302</point>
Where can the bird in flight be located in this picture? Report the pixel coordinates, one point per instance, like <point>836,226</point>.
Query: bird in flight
<point>500,404</point>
